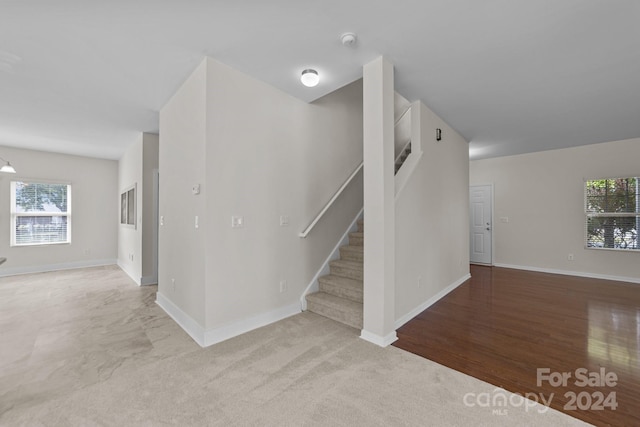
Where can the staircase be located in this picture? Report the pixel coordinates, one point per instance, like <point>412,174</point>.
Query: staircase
<point>402,157</point>
<point>340,295</point>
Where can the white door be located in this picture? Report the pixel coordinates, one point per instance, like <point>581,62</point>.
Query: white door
<point>481,224</point>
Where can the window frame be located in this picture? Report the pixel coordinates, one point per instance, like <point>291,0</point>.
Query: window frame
<point>14,214</point>
<point>589,214</point>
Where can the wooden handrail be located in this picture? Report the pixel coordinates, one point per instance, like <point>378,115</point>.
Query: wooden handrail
<point>307,230</point>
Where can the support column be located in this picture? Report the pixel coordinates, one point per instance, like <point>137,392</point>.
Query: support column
<point>379,203</point>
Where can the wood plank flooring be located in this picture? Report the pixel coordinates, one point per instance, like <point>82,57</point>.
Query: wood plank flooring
<point>502,325</point>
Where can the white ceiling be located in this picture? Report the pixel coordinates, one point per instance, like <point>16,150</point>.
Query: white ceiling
<point>512,76</point>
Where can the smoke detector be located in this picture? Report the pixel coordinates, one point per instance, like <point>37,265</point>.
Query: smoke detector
<point>348,39</point>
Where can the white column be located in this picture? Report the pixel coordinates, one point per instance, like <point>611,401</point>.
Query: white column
<point>379,203</point>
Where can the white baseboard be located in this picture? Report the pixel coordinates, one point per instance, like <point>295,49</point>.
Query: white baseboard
<point>55,267</point>
<point>572,273</point>
<point>124,268</point>
<point>378,339</point>
<point>422,307</point>
<point>186,322</point>
<point>205,338</point>
<point>335,254</point>
<point>234,329</point>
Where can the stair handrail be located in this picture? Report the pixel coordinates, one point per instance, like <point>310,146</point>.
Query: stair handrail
<point>307,230</point>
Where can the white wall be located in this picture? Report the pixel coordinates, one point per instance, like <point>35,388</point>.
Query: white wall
<point>94,211</point>
<point>432,219</point>
<point>182,164</point>
<point>258,153</point>
<point>542,194</point>
<point>135,244</point>
<point>129,236</point>
<point>150,165</point>
<point>269,154</point>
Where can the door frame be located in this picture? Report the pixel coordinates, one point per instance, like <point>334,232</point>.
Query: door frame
<point>155,221</point>
<point>493,222</point>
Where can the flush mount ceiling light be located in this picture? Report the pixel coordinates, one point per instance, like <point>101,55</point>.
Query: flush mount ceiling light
<point>348,39</point>
<point>7,167</point>
<point>310,78</point>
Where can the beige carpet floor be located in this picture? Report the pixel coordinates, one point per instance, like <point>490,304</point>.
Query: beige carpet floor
<point>87,347</point>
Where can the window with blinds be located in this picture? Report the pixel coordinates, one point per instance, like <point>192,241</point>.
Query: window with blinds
<point>612,208</point>
<point>40,213</point>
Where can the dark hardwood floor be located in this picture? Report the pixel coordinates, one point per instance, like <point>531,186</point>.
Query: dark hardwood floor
<point>502,325</point>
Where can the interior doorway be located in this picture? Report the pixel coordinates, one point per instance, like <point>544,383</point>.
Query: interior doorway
<point>481,224</point>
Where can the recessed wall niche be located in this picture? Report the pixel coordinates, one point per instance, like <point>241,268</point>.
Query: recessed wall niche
<point>128,207</point>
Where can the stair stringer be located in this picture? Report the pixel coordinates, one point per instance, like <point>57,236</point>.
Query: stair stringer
<point>314,285</point>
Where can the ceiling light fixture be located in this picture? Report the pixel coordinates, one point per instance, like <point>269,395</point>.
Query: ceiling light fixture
<point>7,167</point>
<point>310,78</point>
<point>348,39</point>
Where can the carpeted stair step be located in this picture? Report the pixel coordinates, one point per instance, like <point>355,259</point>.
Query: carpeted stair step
<point>339,309</point>
<point>352,253</point>
<point>356,238</point>
<point>349,269</point>
<point>342,287</point>
<point>341,292</point>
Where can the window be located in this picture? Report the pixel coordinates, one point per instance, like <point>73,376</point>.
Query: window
<point>612,208</point>
<point>40,213</point>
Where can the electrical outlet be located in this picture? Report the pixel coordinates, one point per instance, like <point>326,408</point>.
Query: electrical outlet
<point>570,257</point>
<point>504,219</point>
<point>284,220</point>
<point>283,286</point>
<point>237,221</point>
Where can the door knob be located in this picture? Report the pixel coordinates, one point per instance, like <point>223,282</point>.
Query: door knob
<point>488,228</point>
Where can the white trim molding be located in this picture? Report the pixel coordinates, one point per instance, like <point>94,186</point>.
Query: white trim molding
<point>183,320</point>
<point>377,339</point>
<point>401,179</point>
<point>428,303</point>
<point>205,338</point>
<point>572,273</point>
<point>222,333</point>
<point>55,267</point>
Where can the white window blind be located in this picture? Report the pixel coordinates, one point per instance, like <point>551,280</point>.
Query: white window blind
<point>612,208</point>
<point>40,213</point>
